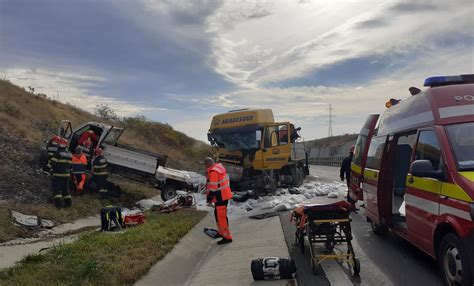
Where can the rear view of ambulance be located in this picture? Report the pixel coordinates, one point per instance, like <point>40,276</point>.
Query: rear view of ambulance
<point>414,169</point>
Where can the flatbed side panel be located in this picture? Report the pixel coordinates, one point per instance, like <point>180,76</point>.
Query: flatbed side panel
<point>131,159</point>
<point>298,151</point>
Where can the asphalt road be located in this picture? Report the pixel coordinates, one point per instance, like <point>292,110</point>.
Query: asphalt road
<point>385,260</point>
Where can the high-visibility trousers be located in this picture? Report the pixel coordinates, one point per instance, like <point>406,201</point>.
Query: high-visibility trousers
<point>60,186</point>
<point>79,181</point>
<point>220,212</point>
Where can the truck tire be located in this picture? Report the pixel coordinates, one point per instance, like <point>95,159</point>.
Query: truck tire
<point>453,261</point>
<point>168,192</point>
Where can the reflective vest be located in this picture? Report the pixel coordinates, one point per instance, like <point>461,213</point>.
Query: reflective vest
<point>79,163</point>
<point>218,184</point>
<point>61,163</point>
<point>52,147</point>
<point>99,166</point>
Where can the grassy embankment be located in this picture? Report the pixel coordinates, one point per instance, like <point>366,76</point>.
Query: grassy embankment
<point>28,119</point>
<point>105,258</point>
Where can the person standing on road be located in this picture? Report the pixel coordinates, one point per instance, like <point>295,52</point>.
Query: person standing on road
<point>345,171</point>
<point>100,173</point>
<point>219,193</point>
<point>61,165</point>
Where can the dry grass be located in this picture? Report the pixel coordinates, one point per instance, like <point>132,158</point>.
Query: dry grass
<point>104,259</point>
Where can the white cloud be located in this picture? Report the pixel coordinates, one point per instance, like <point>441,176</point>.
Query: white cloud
<point>72,88</point>
<point>293,40</point>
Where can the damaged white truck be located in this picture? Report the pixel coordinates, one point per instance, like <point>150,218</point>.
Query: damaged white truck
<point>132,163</point>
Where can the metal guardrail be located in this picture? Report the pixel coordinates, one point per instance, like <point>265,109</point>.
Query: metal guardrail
<point>334,161</point>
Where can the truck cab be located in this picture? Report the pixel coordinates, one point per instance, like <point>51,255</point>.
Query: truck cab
<point>258,152</point>
<point>416,172</point>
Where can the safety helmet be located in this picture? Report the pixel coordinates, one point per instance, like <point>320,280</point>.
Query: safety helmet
<point>98,151</point>
<point>351,149</point>
<point>56,138</point>
<point>62,143</point>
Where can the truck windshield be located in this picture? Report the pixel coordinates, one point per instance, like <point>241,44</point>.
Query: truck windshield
<point>461,138</point>
<point>236,140</point>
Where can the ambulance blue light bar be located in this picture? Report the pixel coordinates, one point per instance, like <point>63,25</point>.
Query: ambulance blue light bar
<point>448,80</point>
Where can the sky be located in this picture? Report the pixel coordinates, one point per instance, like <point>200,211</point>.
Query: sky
<point>181,61</point>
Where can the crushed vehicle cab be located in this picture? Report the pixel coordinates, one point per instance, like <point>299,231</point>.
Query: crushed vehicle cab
<point>128,161</point>
<point>258,153</point>
<point>416,172</point>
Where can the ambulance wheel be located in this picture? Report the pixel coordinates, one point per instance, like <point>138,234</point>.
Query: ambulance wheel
<point>168,193</point>
<point>378,229</point>
<point>257,269</point>
<point>453,261</point>
<point>356,267</point>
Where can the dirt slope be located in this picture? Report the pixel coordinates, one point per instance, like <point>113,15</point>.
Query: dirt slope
<point>27,120</point>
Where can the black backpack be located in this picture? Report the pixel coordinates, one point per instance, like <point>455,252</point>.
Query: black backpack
<point>111,218</point>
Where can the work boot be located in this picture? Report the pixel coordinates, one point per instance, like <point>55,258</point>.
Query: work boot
<point>58,203</point>
<point>67,202</point>
<point>224,240</point>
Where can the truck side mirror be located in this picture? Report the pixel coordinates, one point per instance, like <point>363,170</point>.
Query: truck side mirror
<point>258,135</point>
<point>424,168</point>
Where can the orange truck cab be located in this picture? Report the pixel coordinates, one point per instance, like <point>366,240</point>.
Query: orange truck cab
<point>414,168</point>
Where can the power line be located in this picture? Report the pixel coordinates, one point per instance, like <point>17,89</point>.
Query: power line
<point>330,120</point>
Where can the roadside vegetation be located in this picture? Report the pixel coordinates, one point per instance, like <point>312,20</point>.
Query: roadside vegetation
<point>83,206</point>
<point>29,118</point>
<point>105,258</point>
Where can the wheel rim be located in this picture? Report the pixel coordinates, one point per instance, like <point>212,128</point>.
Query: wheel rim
<point>169,194</point>
<point>452,265</point>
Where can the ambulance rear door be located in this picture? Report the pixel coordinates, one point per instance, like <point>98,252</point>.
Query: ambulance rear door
<point>360,156</point>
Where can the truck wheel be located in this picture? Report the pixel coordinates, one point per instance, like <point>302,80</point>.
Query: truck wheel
<point>453,261</point>
<point>168,193</point>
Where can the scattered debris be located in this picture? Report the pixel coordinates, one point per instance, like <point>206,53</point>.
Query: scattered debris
<point>31,221</point>
<point>133,217</point>
<point>147,204</point>
<point>294,191</point>
<point>282,207</point>
<point>333,195</point>
<point>211,232</point>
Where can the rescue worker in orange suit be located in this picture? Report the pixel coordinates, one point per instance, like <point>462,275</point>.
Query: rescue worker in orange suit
<point>100,173</point>
<point>51,148</point>
<point>345,171</point>
<point>87,151</point>
<point>79,163</point>
<point>219,193</point>
<point>89,134</point>
<point>61,165</point>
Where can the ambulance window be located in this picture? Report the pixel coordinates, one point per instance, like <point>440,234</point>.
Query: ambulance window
<point>374,156</point>
<point>428,148</point>
<point>359,149</point>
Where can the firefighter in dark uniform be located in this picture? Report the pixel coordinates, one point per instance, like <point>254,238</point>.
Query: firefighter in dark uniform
<point>51,148</point>
<point>345,172</point>
<point>61,165</point>
<point>100,173</point>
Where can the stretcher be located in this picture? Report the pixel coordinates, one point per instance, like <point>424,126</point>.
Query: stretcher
<point>327,229</point>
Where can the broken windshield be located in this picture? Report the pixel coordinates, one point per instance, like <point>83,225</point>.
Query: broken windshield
<point>244,140</point>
